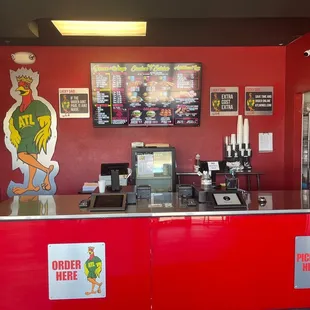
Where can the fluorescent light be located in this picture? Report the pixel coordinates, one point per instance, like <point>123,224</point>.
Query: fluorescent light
<point>100,28</point>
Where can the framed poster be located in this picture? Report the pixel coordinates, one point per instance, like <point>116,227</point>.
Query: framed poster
<point>224,101</point>
<point>146,94</point>
<point>74,103</point>
<point>259,100</point>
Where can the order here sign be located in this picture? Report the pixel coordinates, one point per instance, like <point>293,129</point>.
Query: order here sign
<point>76,270</point>
<point>302,262</point>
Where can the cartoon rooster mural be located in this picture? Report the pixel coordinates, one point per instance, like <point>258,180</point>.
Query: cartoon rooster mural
<point>28,128</point>
<point>92,270</point>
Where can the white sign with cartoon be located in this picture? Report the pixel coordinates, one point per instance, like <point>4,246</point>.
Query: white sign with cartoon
<point>30,128</point>
<point>76,270</point>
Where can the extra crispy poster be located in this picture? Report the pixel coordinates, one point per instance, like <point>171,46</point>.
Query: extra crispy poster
<point>224,101</point>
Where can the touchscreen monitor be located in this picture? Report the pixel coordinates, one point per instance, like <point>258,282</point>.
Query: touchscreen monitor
<point>108,202</point>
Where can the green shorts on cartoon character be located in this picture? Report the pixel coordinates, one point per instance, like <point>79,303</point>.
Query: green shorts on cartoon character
<point>92,270</point>
<point>30,130</point>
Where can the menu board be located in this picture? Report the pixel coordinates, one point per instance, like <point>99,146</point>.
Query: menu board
<point>259,100</point>
<point>146,94</point>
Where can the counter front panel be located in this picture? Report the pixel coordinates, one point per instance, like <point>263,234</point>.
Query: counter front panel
<point>163,263</point>
<point>24,262</point>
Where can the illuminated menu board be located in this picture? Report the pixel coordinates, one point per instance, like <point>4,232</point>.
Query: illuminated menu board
<point>146,94</point>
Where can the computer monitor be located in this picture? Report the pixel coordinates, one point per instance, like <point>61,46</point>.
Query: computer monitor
<point>108,167</point>
<point>154,166</point>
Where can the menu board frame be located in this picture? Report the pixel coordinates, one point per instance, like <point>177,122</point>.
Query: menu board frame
<point>192,105</point>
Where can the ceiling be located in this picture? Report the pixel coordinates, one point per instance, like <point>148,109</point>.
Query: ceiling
<point>182,22</point>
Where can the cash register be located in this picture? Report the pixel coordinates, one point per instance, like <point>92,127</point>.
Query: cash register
<point>111,172</point>
<point>116,197</point>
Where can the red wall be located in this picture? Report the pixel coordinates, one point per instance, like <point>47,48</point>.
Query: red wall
<point>81,148</point>
<point>297,82</point>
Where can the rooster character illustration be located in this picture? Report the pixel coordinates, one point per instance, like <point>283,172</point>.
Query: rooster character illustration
<point>30,131</point>
<point>216,103</point>
<point>92,270</point>
<point>250,102</point>
<point>65,105</point>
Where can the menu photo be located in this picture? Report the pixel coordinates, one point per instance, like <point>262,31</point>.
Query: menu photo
<point>187,105</point>
<point>73,103</point>
<point>224,101</point>
<point>259,100</point>
<point>150,117</point>
<point>149,90</point>
<point>187,114</point>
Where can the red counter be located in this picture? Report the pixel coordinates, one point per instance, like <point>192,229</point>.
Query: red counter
<point>226,262</point>
<point>242,262</point>
<point>24,265</point>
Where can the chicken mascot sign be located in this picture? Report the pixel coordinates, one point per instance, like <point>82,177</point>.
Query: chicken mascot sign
<point>30,135</point>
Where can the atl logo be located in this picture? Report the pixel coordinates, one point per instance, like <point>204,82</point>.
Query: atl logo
<point>25,121</point>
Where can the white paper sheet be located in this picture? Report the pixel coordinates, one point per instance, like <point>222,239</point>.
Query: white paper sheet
<point>265,142</point>
<point>213,166</point>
